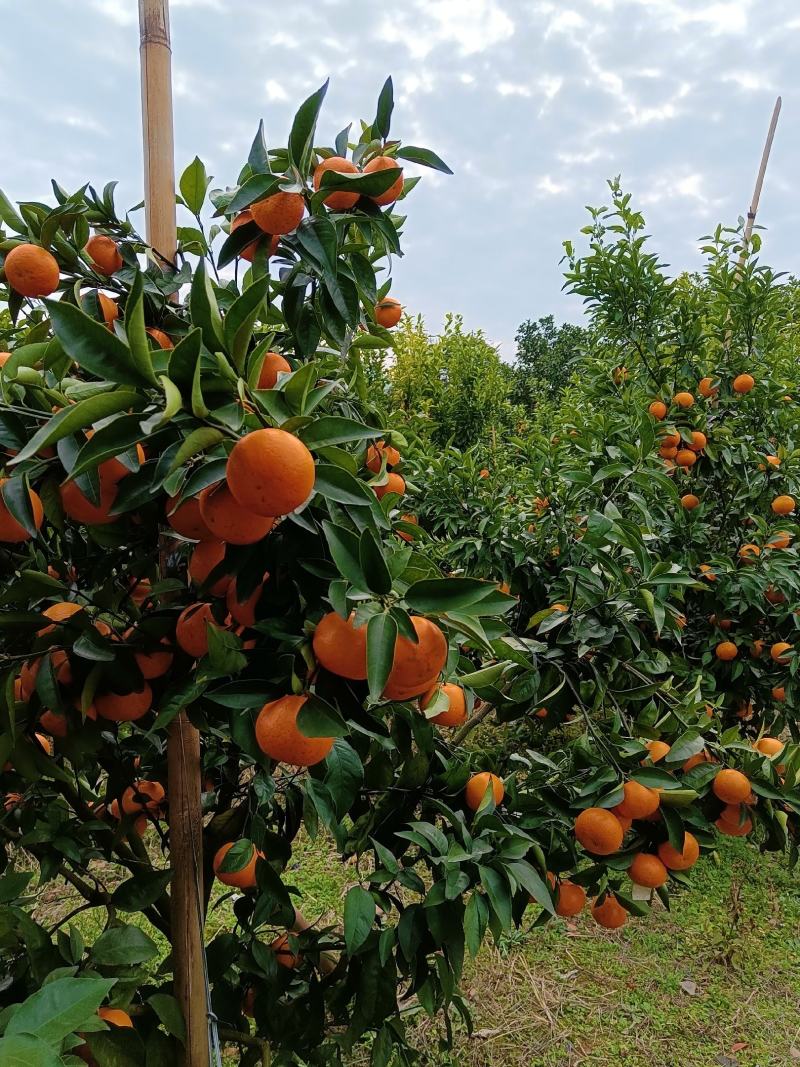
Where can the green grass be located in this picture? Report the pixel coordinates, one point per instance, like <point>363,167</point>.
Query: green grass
<point>573,995</point>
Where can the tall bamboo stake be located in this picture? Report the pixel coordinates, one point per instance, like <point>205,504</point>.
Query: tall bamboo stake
<point>762,168</point>
<point>183,745</point>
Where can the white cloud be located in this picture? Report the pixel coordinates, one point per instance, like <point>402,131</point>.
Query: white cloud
<point>275,91</point>
<point>750,81</point>
<point>472,25</point>
<point>510,89</point>
<point>548,187</point>
<point>123,12</point>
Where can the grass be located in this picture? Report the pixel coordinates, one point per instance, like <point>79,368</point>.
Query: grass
<point>713,983</point>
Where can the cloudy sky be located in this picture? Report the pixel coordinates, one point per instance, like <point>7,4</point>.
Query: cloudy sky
<point>533,103</point>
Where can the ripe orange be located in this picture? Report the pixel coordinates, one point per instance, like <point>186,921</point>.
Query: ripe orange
<point>143,796</point>
<point>416,667</point>
<point>705,387</point>
<point>608,912</point>
<point>273,365</point>
<point>53,723</point>
<point>749,553</point>
<point>671,440</point>
<point>29,670</point>
<point>151,664</point>
<point>388,312</point>
<point>45,742</point>
<point>726,651</point>
<point>658,409</point>
<point>395,189</point>
<point>104,253</point>
<point>57,613</point>
<point>375,454</point>
<point>205,557</point>
<point>279,213</point>
<point>115,1016</point>
<point>599,831</point>
<point>683,400</point>
<point>270,472</point>
<point>402,533</point>
<point>657,750</point>
<point>772,461</point>
<point>191,629</point>
<point>245,877</point>
<point>689,501</point>
<point>456,714</point>
<point>782,539</point>
<point>124,707</point>
<point>680,861</point>
<point>731,786</point>
<point>340,201</point>
<point>774,596</point>
<point>341,647</point>
<point>783,505</point>
<point>695,761</point>
<point>244,611</point>
<point>12,532</point>
<point>80,509</point>
<point>778,651</point>
<point>31,270</point>
<point>686,458</point>
<point>769,746</point>
<point>109,309</point>
<point>483,473</point>
<point>278,736</point>
<point>699,441</point>
<point>570,898</point>
<point>779,693</point>
<point>647,870</point>
<point>743,383</point>
<point>161,339</point>
<point>394,484</point>
<point>4,358</point>
<point>639,801</point>
<point>477,787</point>
<point>187,520</point>
<point>283,952</point>
<point>733,826</point>
<point>249,251</point>
<point>668,451</point>
<point>228,520</point>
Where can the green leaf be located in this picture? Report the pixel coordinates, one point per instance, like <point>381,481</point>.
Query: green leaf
<point>424,156</point>
<point>316,235</point>
<point>204,309</point>
<point>60,1008</point>
<point>9,215</point>
<point>301,138</point>
<point>317,718</point>
<point>373,564</point>
<point>335,483</point>
<point>169,1013</point>
<point>344,776</point>
<point>499,897</point>
<point>381,638</point>
<point>447,594</point>
<point>476,914</point>
<point>184,357</point>
<point>135,331</point>
<point>255,188</point>
<point>76,417</point>
<point>383,118</point>
<point>335,430</point>
<point>173,402</point>
<point>258,159</point>
<point>345,549</point>
<point>199,440</point>
<point>123,946</point>
<point>140,891</point>
<point>241,318</point>
<point>359,915</point>
<point>193,185</point>
<point>225,651</point>
<point>527,877</point>
<point>22,1050</point>
<point>93,346</point>
<point>110,440</point>
<point>15,495</point>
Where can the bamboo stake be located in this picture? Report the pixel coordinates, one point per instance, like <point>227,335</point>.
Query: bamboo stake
<point>751,214</point>
<point>183,745</point>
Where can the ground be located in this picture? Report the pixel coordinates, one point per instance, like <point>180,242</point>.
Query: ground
<point>713,983</point>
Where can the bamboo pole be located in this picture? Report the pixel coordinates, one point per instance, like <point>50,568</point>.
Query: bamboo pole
<point>183,744</point>
<point>762,169</point>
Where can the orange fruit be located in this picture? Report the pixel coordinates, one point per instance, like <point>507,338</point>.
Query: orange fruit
<point>477,786</point>
<point>743,383</point>
<point>114,470</point>
<point>394,484</point>
<point>228,520</point>
<point>12,532</point>
<point>282,949</point>
<point>726,651</point>
<point>774,596</point>
<point>80,509</point>
<point>402,533</point>
<point>695,761</point>
<point>683,400</point>
<point>570,899</point>
<point>191,629</point>
<point>124,707</point>
<point>668,451</point>
<point>686,458</point>
<point>689,501</point>
<point>680,861</point>
<point>187,520</point>
<point>161,339</point>
<point>782,539</point>
<point>376,453</point>
<point>249,251</point>
<point>245,877</point>
<point>757,648</point>
<point>599,831</point>
<point>104,253</point>
<point>779,693</point>
<point>484,473</point>
<point>395,189</point>
<point>109,309</point>
<point>608,912</point>
<point>671,440</point>
<point>270,472</point>
<point>115,1016</point>
<point>205,557</point>
<point>29,670</point>
<point>143,796</point>
<point>31,270</point>
<point>772,461</point>
<point>273,365</point>
<point>639,801</point>
<point>338,201</point>
<point>341,647</point>
<point>53,723</point>
<point>278,736</point>
<point>777,651</point>
<point>705,387</point>
<point>699,441</point>
<point>733,827</point>
<point>244,611</point>
<point>769,746</point>
<point>658,409</point>
<point>58,613</point>
<point>647,870</point>
<point>749,553</point>
<point>657,750</point>
<point>783,505</point>
<point>45,742</point>
<point>151,664</point>
<point>731,786</point>
<point>456,714</point>
<point>388,312</point>
<point>415,667</point>
<point>279,213</point>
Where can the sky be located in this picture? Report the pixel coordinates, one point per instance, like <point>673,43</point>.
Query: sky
<point>532,103</point>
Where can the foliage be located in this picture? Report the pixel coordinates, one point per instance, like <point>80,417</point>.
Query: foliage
<point>545,359</point>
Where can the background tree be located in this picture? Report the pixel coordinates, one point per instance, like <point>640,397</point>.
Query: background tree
<point>545,358</point>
